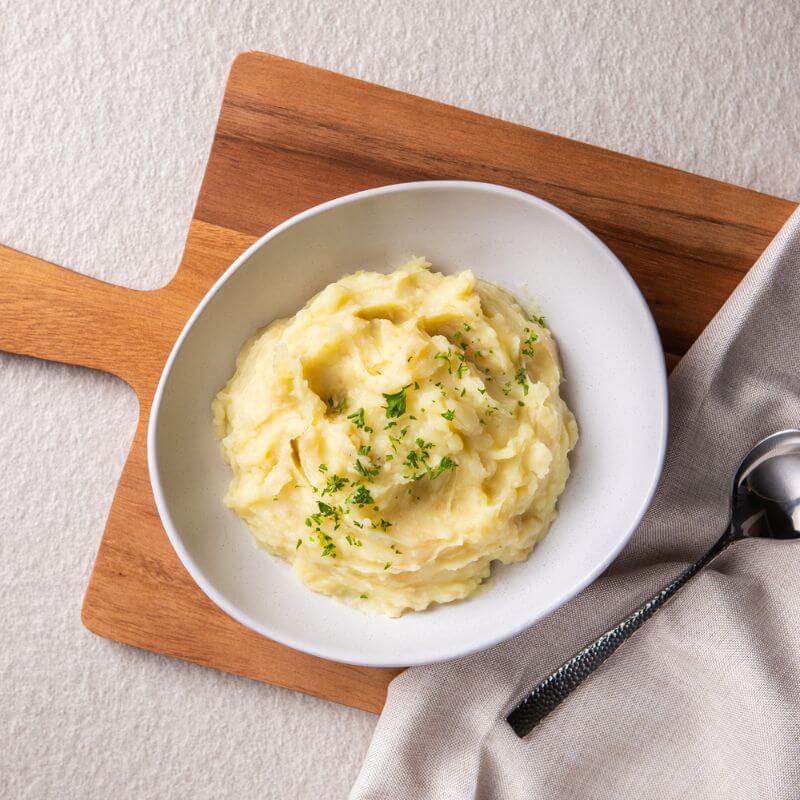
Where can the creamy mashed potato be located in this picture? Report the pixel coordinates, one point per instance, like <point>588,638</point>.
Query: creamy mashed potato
<point>396,436</point>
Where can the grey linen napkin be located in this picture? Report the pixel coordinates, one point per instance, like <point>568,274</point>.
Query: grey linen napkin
<point>704,701</point>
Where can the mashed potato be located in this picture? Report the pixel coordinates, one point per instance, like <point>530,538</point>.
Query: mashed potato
<point>396,436</point>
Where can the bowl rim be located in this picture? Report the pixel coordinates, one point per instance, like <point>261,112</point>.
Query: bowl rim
<point>346,657</point>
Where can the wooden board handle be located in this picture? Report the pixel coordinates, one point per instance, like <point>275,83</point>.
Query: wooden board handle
<point>50,312</point>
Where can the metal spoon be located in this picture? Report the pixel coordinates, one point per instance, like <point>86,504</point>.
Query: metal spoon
<point>765,503</point>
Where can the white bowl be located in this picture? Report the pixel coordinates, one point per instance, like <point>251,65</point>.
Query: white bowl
<point>615,384</point>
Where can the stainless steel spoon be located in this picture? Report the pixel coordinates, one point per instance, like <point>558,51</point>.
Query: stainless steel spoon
<point>765,503</point>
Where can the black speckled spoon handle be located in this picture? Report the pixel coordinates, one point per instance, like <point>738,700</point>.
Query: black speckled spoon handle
<point>555,688</point>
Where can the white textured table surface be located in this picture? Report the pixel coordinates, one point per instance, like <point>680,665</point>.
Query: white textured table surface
<point>106,115</point>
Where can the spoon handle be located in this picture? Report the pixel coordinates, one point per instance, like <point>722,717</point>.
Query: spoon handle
<point>555,688</point>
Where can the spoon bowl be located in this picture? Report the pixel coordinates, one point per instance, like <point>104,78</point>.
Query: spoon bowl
<point>766,496</point>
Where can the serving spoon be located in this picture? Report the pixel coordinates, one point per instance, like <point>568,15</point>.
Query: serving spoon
<point>765,504</point>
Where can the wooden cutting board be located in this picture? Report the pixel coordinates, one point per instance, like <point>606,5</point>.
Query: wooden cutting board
<point>291,136</point>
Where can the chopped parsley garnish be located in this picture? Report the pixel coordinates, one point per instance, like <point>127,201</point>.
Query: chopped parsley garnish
<point>445,464</point>
<point>357,418</point>
<point>396,403</point>
<point>521,377</point>
<point>329,549</point>
<point>370,471</point>
<point>333,513</point>
<point>467,326</point>
<point>353,542</point>
<point>364,450</point>
<point>299,542</point>
<point>527,349</point>
<point>411,459</point>
<point>335,483</point>
<point>445,356</point>
<point>323,468</point>
<point>382,524</point>
<point>360,496</point>
<point>325,541</point>
<point>395,550</point>
<point>387,565</point>
<point>333,406</point>
<point>481,390</point>
<point>364,596</point>
<point>507,389</point>
<point>418,458</point>
<point>450,414</point>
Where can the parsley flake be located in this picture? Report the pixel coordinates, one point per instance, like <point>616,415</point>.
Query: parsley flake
<point>445,464</point>
<point>369,471</point>
<point>521,377</point>
<point>445,356</point>
<point>335,483</point>
<point>333,406</point>
<point>357,418</point>
<point>360,496</point>
<point>527,349</point>
<point>396,403</point>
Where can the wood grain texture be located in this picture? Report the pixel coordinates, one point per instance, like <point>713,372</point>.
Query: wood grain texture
<point>291,136</point>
